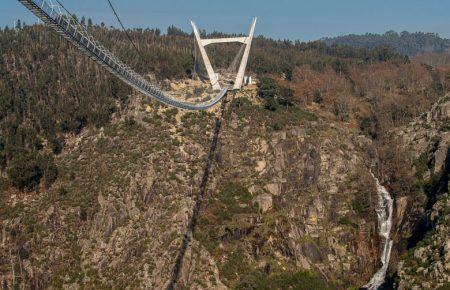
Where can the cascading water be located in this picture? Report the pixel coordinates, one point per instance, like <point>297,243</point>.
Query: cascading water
<point>384,212</point>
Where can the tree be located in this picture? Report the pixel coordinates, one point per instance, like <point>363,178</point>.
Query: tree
<point>90,23</point>
<point>2,161</point>
<point>18,25</point>
<point>2,155</point>
<point>83,21</point>
<point>268,90</point>
<point>24,171</point>
<point>341,67</point>
<point>286,97</point>
<point>175,31</point>
<point>48,169</point>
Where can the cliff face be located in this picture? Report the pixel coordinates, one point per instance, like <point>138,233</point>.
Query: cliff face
<point>423,218</point>
<point>116,214</point>
<point>289,202</point>
<point>427,266</point>
<point>289,193</point>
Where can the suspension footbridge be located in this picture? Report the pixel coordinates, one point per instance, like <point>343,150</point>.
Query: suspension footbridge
<point>68,27</point>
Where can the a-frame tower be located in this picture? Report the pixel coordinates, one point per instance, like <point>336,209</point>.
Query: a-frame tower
<point>213,77</point>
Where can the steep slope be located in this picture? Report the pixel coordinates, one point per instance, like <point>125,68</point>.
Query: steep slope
<point>313,194</point>
<point>423,218</point>
<point>116,215</point>
<point>289,202</point>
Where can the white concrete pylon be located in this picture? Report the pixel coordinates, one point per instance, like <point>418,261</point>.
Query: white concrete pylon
<point>243,66</point>
<point>209,69</point>
<point>213,77</point>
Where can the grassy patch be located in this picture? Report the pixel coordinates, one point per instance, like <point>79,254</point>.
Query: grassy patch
<point>4,184</point>
<point>285,280</point>
<point>347,222</point>
<point>240,102</point>
<point>445,127</point>
<point>446,286</point>
<point>239,273</point>
<point>225,217</point>
<point>234,266</point>
<point>10,212</point>
<point>360,208</point>
<point>421,165</point>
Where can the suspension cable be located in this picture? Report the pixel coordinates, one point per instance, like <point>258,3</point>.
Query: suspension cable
<point>123,28</point>
<point>68,13</point>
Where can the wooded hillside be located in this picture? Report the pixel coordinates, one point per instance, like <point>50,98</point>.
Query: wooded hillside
<point>48,89</point>
<point>406,43</point>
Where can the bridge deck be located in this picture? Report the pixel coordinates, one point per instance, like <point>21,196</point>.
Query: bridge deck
<point>78,35</point>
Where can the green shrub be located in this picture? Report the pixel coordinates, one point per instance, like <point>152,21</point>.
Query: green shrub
<point>346,221</point>
<point>240,102</point>
<point>198,91</point>
<point>235,265</point>
<point>359,208</point>
<point>2,161</point>
<point>83,214</point>
<point>10,212</point>
<point>62,191</point>
<point>367,126</point>
<point>285,280</point>
<point>238,273</point>
<point>4,184</point>
<point>421,165</point>
<point>56,145</point>
<point>170,114</point>
<point>130,123</point>
<point>277,127</point>
<point>24,171</point>
<point>49,169</point>
<point>318,98</point>
<point>446,286</point>
<point>23,254</point>
<point>267,88</point>
<point>232,195</point>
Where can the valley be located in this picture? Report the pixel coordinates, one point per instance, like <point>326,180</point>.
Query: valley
<point>287,184</point>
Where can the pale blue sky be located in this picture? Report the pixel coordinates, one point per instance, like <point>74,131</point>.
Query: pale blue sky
<point>293,19</point>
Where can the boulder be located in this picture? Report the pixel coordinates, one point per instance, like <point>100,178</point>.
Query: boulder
<point>264,202</point>
<point>274,188</point>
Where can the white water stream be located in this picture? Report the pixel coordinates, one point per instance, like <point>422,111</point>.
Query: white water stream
<point>384,212</point>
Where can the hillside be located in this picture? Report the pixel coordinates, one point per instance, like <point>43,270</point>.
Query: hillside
<point>405,43</point>
<point>427,140</point>
<point>101,187</point>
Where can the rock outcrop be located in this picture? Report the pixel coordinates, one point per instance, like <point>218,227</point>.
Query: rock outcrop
<point>425,214</point>
<point>427,266</point>
<point>289,197</point>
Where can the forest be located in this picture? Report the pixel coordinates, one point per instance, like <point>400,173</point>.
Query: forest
<point>406,43</point>
<point>49,90</point>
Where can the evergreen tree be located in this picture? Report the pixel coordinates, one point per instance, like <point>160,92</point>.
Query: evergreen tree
<point>18,25</point>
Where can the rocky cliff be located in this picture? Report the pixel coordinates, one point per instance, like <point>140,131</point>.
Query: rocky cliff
<point>423,217</point>
<point>289,202</point>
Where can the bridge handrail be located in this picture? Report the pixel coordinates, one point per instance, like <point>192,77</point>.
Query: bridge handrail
<point>78,35</point>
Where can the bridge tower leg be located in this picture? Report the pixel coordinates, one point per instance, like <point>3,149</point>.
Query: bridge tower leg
<point>209,69</point>
<point>243,66</point>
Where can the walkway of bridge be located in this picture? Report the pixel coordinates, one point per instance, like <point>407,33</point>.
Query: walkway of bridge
<point>76,33</point>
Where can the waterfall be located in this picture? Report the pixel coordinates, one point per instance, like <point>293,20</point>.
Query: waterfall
<point>384,212</point>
